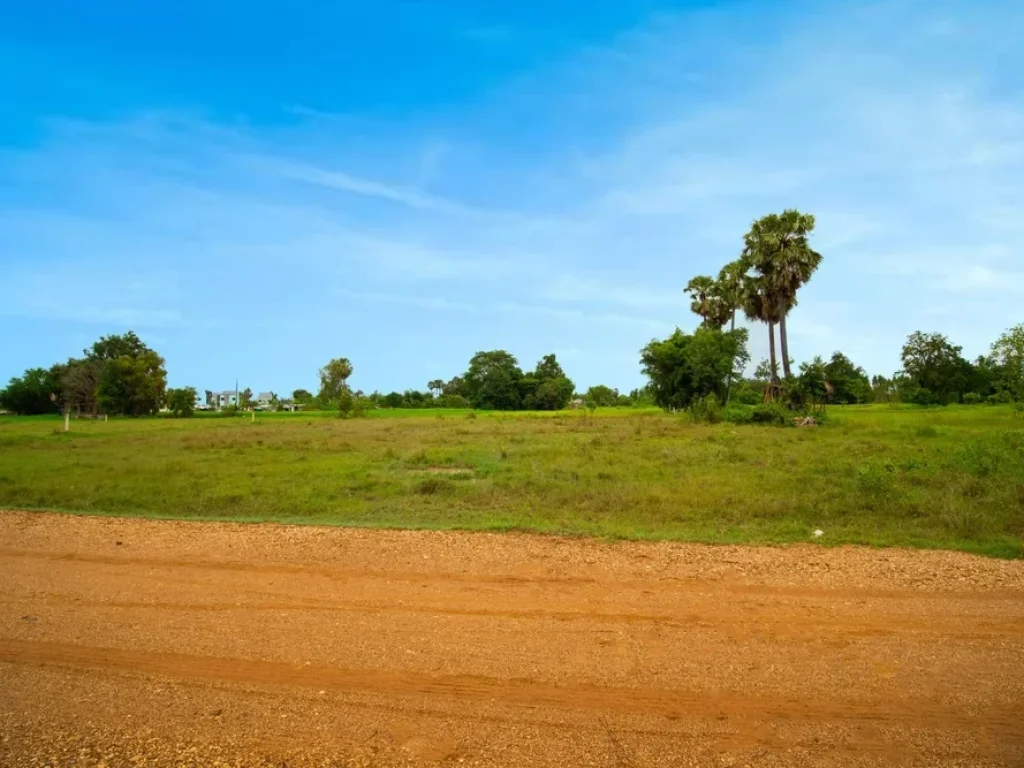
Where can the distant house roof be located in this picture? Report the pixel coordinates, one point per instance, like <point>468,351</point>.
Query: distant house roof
<point>267,396</point>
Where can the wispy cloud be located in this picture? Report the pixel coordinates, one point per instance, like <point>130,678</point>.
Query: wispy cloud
<point>343,182</point>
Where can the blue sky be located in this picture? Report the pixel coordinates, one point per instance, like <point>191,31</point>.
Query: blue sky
<point>255,189</point>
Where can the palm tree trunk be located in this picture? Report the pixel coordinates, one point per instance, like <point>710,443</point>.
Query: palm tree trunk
<point>771,351</point>
<point>728,381</point>
<point>784,343</point>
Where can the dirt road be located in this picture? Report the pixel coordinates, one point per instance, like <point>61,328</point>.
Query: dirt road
<point>162,644</point>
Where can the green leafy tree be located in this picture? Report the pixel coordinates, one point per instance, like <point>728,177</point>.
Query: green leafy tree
<point>302,397</point>
<point>849,382</point>
<point>182,401</point>
<point>985,378</point>
<point>393,400</point>
<point>415,399</point>
<point>455,386</point>
<point>884,390</point>
<point>550,395</point>
<point>133,386</point>
<point>688,366</point>
<point>934,369</point>
<point>436,386</point>
<point>114,346</point>
<point>643,396</point>
<point>1008,357</point>
<point>492,381</point>
<point>812,385</point>
<point>546,388</point>
<point>132,377</point>
<point>334,380</point>
<point>346,402</point>
<point>32,393</point>
<point>602,395</point>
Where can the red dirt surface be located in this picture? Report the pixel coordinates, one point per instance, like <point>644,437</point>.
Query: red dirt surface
<point>141,643</point>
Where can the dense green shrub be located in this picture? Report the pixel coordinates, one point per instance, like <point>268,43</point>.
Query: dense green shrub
<point>706,410</point>
<point>738,413</point>
<point>746,395</point>
<point>771,413</point>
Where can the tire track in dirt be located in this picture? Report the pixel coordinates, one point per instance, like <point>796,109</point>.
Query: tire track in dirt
<point>346,574</point>
<point>794,625</point>
<point>671,704</point>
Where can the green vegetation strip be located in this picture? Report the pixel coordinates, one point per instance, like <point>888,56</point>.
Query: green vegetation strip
<point>949,478</point>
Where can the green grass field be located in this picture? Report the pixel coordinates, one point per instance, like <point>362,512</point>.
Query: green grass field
<point>950,478</point>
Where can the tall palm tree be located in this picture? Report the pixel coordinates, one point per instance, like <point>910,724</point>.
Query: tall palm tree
<point>757,306</point>
<point>777,248</point>
<point>729,287</point>
<point>729,290</point>
<point>793,265</point>
<point>701,290</point>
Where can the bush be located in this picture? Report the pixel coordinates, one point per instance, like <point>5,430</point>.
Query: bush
<point>181,402</point>
<point>350,405</point>
<point>706,410</point>
<point>1003,396</point>
<point>972,398</point>
<point>737,413</point>
<point>746,396</point>
<point>771,413</point>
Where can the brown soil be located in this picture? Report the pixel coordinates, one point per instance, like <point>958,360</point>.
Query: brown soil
<point>140,643</point>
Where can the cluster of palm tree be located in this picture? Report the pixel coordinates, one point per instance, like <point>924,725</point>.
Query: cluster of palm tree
<point>776,261</point>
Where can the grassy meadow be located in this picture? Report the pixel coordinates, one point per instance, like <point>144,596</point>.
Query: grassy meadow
<point>950,477</point>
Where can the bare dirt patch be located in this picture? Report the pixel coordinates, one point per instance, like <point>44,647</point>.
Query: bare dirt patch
<point>128,642</point>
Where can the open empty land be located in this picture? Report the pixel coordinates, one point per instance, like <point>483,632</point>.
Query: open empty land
<point>153,643</point>
<point>951,478</point>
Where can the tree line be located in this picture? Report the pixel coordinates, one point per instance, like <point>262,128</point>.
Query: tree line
<point>703,368</point>
<point>493,381</point>
<point>117,375</point>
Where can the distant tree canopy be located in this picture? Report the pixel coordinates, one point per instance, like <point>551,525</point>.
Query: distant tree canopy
<point>602,396</point>
<point>685,367</point>
<point>934,372</point>
<point>849,382</point>
<point>334,381</point>
<point>118,374</point>
<point>302,397</point>
<point>1006,363</point>
<point>31,393</point>
<point>494,381</point>
<point>182,401</point>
